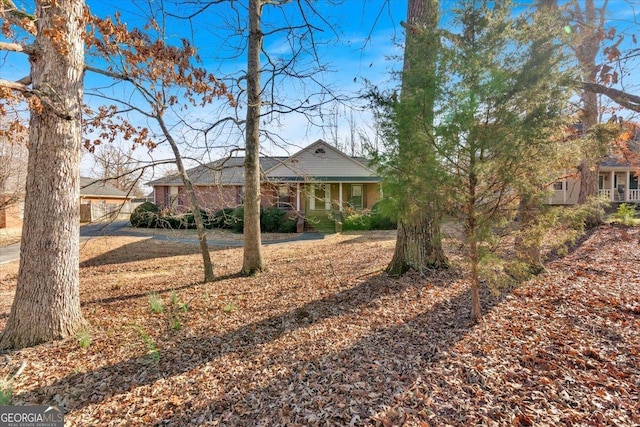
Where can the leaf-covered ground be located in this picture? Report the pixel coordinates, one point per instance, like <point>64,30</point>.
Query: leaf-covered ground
<point>326,338</point>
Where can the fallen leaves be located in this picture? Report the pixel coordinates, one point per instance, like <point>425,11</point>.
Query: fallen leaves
<point>325,338</point>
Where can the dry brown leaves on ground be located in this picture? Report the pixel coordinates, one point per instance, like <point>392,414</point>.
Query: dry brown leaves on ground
<point>326,338</point>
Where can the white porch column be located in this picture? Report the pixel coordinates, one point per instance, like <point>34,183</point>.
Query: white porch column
<point>626,189</point>
<point>298,196</point>
<point>312,197</point>
<point>340,194</point>
<point>613,187</point>
<point>565,187</point>
<point>327,197</point>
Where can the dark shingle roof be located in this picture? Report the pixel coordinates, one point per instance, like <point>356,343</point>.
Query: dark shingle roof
<point>227,171</point>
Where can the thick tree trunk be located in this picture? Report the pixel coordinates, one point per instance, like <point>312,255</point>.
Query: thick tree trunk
<point>586,50</point>
<point>47,301</point>
<point>253,262</point>
<point>419,243</point>
<point>589,172</point>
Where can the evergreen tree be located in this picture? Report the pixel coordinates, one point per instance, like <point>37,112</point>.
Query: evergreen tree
<point>502,97</point>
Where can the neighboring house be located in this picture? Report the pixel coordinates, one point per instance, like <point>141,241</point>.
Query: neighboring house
<point>314,181</point>
<point>617,180</point>
<point>100,201</point>
<point>11,211</point>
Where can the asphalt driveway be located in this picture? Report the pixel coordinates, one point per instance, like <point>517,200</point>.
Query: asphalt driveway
<point>121,228</point>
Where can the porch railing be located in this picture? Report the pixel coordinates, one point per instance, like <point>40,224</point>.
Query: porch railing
<point>606,193</point>
<point>634,195</point>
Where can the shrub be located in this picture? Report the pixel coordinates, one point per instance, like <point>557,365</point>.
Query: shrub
<point>357,222</point>
<point>237,219</point>
<point>144,215</point>
<point>272,220</point>
<point>144,219</point>
<point>221,219</point>
<point>625,214</point>
<point>171,222</point>
<point>288,225</point>
<point>190,221</point>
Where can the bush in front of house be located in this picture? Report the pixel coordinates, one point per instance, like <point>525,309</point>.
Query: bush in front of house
<point>190,222</point>
<point>171,222</point>
<point>145,215</point>
<point>374,220</point>
<point>237,220</point>
<point>271,220</point>
<point>221,219</point>
<point>357,221</point>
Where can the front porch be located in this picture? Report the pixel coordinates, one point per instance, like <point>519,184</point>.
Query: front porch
<point>320,205</point>
<point>619,186</point>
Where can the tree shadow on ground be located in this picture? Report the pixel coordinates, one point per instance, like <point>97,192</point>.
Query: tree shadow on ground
<point>415,343</point>
<point>368,236</point>
<point>143,250</point>
<point>346,387</point>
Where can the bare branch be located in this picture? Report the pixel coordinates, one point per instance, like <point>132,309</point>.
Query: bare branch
<point>16,47</point>
<point>626,100</point>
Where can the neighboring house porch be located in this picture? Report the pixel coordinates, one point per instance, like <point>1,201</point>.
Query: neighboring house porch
<point>619,186</point>
<point>617,181</point>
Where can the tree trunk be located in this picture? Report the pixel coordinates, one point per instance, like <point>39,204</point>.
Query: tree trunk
<point>528,243</point>
<point>419,243</point>
<point>476,308</point>
<point>47,300</point>
<point>209,275</point>
<point>588,46</point>
<point>253,262</point>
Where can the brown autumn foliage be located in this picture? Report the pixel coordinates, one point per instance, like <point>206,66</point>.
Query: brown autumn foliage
<point>326,338</point>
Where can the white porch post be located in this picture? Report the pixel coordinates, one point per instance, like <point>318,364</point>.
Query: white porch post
<point>312,197</point>
<point>298,196</point>
<point>340,194</point>
<point>626,189</point>
<point>564,188</point>
<point>327,197</point>
<point>613,187</point>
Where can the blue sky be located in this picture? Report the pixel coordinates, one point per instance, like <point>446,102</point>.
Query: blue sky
<point>356,40</point>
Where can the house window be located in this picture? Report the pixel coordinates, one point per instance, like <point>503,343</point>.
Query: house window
<point>284,197</point>
<point>320,197</point>
<point>600,182</point>
<point>558,185</point>
<point>356,196</point>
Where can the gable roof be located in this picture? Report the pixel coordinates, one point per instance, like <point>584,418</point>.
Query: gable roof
<point>329,164</point>
<point>91,187</point>
<point>323,162</point>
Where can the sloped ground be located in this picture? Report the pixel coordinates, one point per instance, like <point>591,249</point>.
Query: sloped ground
<point>325,338</point>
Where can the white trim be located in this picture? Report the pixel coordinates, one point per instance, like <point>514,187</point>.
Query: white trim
<point>613,185</point>
<point>298,196</point>
<point>340,197</point>
<point>327,197</point>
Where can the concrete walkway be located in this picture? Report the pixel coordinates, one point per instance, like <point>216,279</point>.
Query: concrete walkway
<point>122,228</point>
